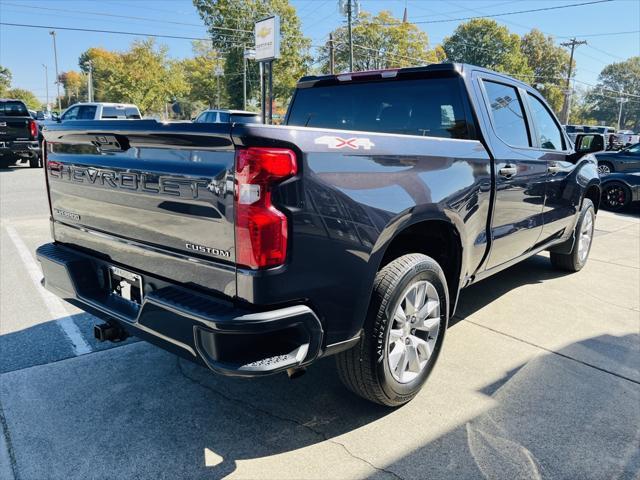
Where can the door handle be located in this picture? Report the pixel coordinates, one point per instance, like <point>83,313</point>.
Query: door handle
<point>553,168</point>
<point>508,171</point>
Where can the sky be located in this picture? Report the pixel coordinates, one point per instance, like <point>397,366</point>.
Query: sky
<point>25,50</point>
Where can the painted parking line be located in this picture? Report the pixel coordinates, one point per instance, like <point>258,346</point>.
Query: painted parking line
<point>53,304</point>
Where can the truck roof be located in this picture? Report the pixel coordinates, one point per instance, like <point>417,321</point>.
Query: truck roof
<point>456,68</point>
<point>106,104</point>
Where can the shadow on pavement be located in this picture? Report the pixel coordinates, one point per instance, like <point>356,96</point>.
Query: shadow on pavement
<point>535,269</point>
<point>140,412</point>
<point>45,343</point>
<point>551,418</point>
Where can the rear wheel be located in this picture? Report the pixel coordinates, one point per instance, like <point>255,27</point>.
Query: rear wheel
<point>35,161</point>
<point>583,237</point>
<point>616,196</point>
<point>403,333</point>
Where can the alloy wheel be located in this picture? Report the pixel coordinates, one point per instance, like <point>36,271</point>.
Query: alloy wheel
<point>586,235</point>
<point>414,331</point>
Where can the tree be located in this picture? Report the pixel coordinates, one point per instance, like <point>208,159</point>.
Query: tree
<point>143,75</point>
<point>199,73</point>
<point>75,87</point>
<point>603,98</point>
<point>379,42</point>
<point>231,23</point>
<point>484,43</point>
<point>548,63</point>
<point>102,62</point>
<point>30,100</point>
<point>5,80</point>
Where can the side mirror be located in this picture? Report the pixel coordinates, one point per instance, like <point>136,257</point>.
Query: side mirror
<point>56,117</point>
<point>589,143</point>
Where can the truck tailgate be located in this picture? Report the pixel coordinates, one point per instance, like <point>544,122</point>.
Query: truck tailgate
<point>154,197</point>
<point>14,128</point>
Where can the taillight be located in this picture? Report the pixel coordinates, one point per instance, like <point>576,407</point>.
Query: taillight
<point>261,229</point>
<point>33,129</point>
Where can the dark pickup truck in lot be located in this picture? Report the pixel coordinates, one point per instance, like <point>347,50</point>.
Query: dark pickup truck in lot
<point>350,230</point>
<point>18,134</point>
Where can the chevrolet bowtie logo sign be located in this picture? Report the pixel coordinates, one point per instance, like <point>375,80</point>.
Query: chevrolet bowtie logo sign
<point>264,32</point>
<point>267,39</point>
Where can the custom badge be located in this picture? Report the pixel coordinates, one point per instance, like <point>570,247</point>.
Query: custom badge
<point>337,142</point>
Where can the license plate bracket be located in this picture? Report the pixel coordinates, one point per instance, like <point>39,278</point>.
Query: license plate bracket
<point>125,284</point>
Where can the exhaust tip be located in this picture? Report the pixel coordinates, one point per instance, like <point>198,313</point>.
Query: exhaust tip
<point>294,373</point>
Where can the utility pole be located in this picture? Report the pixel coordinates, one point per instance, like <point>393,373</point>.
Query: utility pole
<point>332,55</point>
<point>55,57</point>
<point>621,100</point>
<point>566,107</point>
<point>218,72</point>
<point>46,83</point>
<point>90,81</point>
<point>350,8</point>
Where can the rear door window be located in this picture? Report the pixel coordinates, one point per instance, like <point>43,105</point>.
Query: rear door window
<point>431,107</point>
<point>132,113</point>
<point>246,118</point>
<point>13,109</point>
<point>507,114</point>
<point>86,112</point>
<point>112,112</point>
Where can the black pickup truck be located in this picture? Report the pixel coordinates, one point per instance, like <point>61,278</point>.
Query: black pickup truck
<point>351,230</point>
<point>18,134</point>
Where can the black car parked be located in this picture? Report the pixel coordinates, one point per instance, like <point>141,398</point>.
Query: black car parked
<point>18,134</point>
<point>624,160</point>
<point>620,190</point>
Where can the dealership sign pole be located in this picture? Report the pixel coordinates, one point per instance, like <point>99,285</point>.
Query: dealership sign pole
<point>267,49</point>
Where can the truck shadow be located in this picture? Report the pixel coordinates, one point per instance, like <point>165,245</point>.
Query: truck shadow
<point>140,412</point>
<point>535,269</point>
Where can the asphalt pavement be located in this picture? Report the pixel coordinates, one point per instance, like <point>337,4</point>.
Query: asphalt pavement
<point>539,378</point>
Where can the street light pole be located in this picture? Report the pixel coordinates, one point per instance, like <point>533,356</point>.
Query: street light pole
<point>46,83</point>
<point>55,57</point>
<point>247,54</point>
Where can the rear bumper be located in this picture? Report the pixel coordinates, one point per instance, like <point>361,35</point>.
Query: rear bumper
<point>25,148</point>
<point>229,340</point>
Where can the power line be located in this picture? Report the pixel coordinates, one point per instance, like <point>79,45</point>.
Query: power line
<point>113,15</point>
<point>601,34</point>
<point>93,30</point>
<point>504,14</point>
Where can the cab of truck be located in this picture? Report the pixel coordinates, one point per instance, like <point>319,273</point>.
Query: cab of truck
<point>101,111</point>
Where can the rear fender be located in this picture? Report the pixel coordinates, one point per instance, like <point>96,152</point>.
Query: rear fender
<point>395,228</point>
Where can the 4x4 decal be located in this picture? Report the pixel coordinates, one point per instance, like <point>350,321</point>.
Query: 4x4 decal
<point>337,142</point>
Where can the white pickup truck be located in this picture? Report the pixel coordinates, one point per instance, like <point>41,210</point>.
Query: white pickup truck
<point>101,111</point>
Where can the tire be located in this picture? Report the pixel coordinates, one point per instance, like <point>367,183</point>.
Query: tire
<point>616,196</point>
<point>35,161</point>
<point>604,168</point>
<point>577,258</point>
<point>366,369</point>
